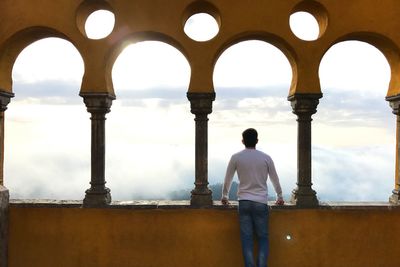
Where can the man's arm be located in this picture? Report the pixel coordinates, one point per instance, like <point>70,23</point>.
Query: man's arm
<point>230,171</point>
<point>275,182</point>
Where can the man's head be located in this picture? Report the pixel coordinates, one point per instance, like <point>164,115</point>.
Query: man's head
<point>250,138</point>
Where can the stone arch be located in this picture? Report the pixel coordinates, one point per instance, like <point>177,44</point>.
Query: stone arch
<point>272,39</point>
<point>18,42</point>
<point>38,102</point>
<point>135,38</point>
<point>258,105</point>
<point>151,113</point>
<point>386,46</point>
<point>347,132</point>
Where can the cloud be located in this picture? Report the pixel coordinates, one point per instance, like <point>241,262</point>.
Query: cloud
<point>353,174</point>
<point>351,108</point>
<point>151,171</point>
<point>346,108</point>
<point>47,174</point>
<point>48,92</point>
<point>143,163</point>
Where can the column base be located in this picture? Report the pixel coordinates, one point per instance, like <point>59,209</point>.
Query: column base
<point>97,198</point>
<point>395,197</point>
<point>304,198</point>
<point>201,199</point>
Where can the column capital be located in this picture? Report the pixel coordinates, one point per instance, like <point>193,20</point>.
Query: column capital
<point>5,98</point>
<point>98,102</point>
<point>394,102</point>
<point>304,104</point>
<point>201,103</point>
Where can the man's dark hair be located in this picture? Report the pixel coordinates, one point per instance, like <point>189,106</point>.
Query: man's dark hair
<point>250,137</point>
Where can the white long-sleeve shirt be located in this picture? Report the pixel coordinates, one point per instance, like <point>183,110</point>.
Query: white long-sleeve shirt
<point>253,168</point>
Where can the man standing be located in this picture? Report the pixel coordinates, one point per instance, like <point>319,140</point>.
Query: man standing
<point>253,168</point>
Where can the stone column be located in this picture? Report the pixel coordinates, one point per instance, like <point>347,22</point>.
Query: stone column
<point>394,103</point>
<point>304,106</point>
<point>201,106</point>
<point>98,105</point>
<point>4,194</point>
<point>4,199</point>
<point>4,101</point>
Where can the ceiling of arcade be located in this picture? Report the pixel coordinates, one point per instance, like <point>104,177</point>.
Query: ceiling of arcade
<point>23,22</point>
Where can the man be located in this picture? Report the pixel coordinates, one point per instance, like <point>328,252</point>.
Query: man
<point>253,168</point>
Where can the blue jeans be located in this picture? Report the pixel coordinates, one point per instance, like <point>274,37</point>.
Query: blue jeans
<point>253,218</point>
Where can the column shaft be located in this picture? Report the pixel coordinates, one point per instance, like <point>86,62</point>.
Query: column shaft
<point>395,105</point>
<point>5,98</point>
<point>98,152</point>
<point>201,154</point>
<point>4,194</point>
<point>2,147</point>
<point>201,106</point>
<point>98,105</point>
<point>304,151</point>
<point>304,106</point>
<point>396,191</point>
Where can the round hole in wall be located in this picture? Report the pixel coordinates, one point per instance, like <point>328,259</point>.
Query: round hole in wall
<point>201,27</point>
<point>304,25</point>
<point>99,24</point>
<point>288,237</point>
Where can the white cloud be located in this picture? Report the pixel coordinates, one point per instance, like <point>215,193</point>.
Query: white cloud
<point>201,27</point>
<point>304,26</point>
<point>49,59</point>
<point>47,150</point>
<point>354,174</point>
<point>150,133</point>
<point>252,64</point>
<point>150,64</point>
<point>355,66</point>
<point>99,24</point>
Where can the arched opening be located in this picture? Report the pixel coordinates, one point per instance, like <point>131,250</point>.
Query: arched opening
<point>252,81</point>
<point>46,129</point>
<point>354,135</point>
<point>150,146</point>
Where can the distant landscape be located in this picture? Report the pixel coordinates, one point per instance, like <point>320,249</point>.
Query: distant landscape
<point>216,192</point>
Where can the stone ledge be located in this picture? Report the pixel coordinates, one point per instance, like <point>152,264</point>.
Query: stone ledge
<point>185,204</point>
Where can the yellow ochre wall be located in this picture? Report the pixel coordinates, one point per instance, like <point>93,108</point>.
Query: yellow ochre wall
<point>174,237</point>
<point>371,21</point>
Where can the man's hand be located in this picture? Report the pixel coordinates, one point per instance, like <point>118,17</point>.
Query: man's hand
<point>225,201</point>
<point>280,202</point>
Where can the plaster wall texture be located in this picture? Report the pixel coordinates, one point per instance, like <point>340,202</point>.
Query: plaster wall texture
<point>24,22</point>
<point>174,237</point>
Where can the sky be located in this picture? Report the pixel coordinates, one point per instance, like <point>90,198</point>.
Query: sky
<point>47,142</point>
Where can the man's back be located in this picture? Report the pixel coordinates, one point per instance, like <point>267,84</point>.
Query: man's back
<point>253,168</point>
